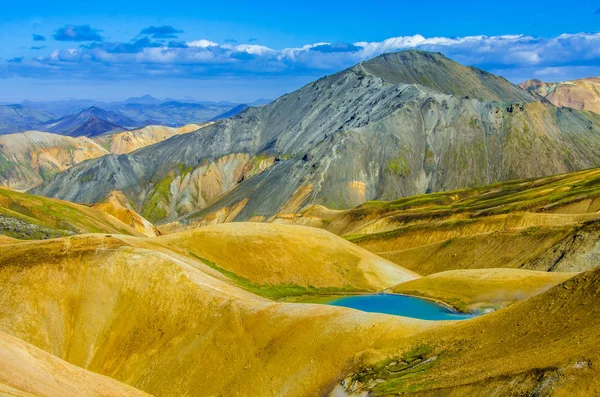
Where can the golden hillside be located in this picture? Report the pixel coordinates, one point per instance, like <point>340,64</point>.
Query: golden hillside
<point>25,216</point>
<point>539,224</point>
<point>129,141</point>
<point>29,158</point>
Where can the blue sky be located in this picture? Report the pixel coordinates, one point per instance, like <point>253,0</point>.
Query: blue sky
<point>242,51</point>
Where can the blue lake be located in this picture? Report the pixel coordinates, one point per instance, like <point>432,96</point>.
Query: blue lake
<point>400,305</point>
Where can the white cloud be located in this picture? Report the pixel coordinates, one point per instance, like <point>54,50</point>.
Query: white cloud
<point>509,55</point>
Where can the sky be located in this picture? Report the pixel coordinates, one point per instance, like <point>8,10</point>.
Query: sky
<point>242,51</point>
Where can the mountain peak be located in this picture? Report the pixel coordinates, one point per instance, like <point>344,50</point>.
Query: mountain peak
<point>437,72</point>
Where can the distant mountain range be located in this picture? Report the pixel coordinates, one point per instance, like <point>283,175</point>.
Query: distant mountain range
<point>583,94</point>
<point>398,125</point>
<point>90,122</point>
<point>89,118</point>
<point>16,118</point>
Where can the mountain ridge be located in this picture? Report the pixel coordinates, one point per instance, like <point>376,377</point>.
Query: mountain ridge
<point>345,139</point>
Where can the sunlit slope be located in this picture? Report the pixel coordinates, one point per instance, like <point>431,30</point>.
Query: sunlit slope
<point>469,290</point>
<point>30,158</point>
<point>129,141</point>
<point>28,371</point>
<point>25,216</point>
<point>118,206</point>
<point>583,94</point>
<point>513,224</point>
<point>172,327</point>
<point>546,345</point>
<point>278,260</point>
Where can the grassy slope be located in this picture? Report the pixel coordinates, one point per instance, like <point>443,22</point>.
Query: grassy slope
<point>546,345</point>
<point>276,260</point>
<point>26,216</point>
<point>503,225</point>
<point>469,290</point>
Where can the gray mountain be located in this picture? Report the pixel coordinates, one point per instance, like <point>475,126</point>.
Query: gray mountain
<point>19,118</point>
<point>230,113</point>
<point>90,122</point>
<point>400,124</point>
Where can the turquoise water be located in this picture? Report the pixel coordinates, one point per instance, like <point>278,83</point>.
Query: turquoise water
<point>400,305</point>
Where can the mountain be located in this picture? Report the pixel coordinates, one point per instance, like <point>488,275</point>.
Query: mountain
<point>583,94</point>
<point>398,125</point>
<point>170,113</point>
<point>27,159</point>
<point>232,112</point>
<point>90,122</point>
<point>17,118</point>
<point>129,141</point>
<point>144,100</point>
<point>64,107</point>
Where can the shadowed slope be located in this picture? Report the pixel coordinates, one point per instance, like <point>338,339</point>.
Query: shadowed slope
<point>28,371</point>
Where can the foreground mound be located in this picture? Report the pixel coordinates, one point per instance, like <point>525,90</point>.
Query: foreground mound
<point>175,327</point>
<point>469,290</point>
<point>29,217</point>
<point>546,345</point>
<point>277,260</point>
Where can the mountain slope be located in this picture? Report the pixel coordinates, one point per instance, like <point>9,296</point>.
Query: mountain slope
<point>544,346</point>
<point>548,224</point>
<point>27,159</point>
<point>17,118</point>
<point>90,122</point>
<point>583,94</point>
<point>129,141</point>
<point>28,217</point>
<point>348,138</point>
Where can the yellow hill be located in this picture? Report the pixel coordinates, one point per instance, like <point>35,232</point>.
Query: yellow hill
<point>116,205</point>
<point>129,141</point>
<point>29,158</point>
<point>26,216</point>
<point>546,345</point>
<point>175,327</point>
<point>277,260</point>
<point>470,290</point>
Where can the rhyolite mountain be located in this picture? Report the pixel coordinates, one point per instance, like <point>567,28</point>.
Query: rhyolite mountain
<point>582,94</point>
<point>90,122</point>
<point>18,118</point>
<point>397,125</point>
